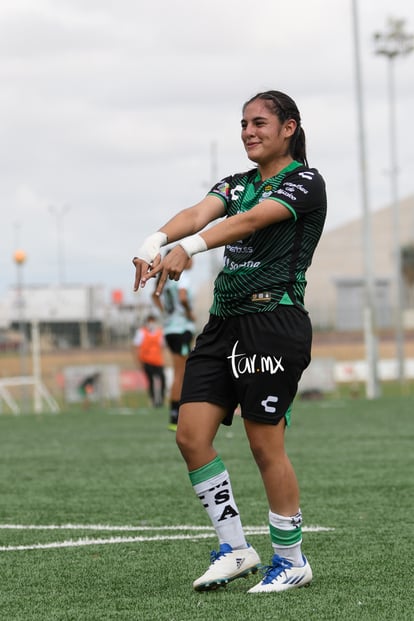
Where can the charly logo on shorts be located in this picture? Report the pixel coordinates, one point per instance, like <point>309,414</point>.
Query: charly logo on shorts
<point>255,363</point>
<point>267,403</point>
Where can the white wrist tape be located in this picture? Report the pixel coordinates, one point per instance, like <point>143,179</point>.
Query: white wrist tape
<point>193,244</point>
<point>151,246</point>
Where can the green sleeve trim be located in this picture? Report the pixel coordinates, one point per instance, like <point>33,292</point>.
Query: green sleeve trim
<point>218,196</point>
<point>279,200</point>
<point>285,537</point>
<point>288,416</point>
<point>206,472</point>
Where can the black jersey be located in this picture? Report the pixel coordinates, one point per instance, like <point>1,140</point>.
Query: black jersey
<point>268,267</point>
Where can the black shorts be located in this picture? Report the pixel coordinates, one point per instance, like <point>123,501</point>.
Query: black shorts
<point>180,343</point>
<point>255,360</point>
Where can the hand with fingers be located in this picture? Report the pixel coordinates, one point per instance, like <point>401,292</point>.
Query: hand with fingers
<point>148,257</point>
<point>172,266</point>
<point>144,270</point>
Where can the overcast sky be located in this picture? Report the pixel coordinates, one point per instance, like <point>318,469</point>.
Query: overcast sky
<point>116,114</point>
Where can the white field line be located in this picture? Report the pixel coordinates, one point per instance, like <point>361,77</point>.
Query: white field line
<point>108,527</point>
<point>87,541</point>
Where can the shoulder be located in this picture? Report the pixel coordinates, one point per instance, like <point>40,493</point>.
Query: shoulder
<point>306,181</point>
<point>225,185</point>
<point>306,174</point>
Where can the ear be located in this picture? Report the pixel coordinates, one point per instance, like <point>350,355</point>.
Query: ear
<point>290,127</point>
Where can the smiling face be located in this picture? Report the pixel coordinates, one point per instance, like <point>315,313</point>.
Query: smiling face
<point>265,138</point>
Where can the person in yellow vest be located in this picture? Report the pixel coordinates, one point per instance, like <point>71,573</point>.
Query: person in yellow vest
<point>148,347</point>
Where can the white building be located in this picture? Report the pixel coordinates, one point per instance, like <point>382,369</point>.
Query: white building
<point>335,278</point>
<point>334,294</point>
<point>68,315</point>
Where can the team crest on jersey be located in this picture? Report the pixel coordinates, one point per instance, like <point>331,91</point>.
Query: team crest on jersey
<point>265,195</point>
<point>223,189</point>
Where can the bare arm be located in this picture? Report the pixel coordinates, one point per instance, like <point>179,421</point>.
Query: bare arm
<point>224,232</point>
<point>193,219</point>
<point>244,224</point>
<point>184,223</point>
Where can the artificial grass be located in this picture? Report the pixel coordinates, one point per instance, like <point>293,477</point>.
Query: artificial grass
<point>354,462</point>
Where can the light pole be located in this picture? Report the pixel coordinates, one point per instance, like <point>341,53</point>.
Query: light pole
<point>19,258</point>
<point>59,213</point>
<point>372,386</point>
<point>392,44</point>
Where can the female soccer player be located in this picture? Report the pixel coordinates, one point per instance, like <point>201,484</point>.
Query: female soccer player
<point>257,341</point>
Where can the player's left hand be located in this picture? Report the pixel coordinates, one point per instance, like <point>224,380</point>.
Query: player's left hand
<point>172,266</point>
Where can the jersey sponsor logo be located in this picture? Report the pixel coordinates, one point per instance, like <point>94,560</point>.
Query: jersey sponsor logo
<point>291,187</point>
<point>265,296</point>
<point>235,192</point>
<point>242,364</point>
<point>268,404</point>
<point>232,265</point>
<point>240,249</point>
<point>287,194</point>
<point>307,175</point>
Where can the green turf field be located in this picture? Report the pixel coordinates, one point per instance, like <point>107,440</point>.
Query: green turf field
<point>119,469</point>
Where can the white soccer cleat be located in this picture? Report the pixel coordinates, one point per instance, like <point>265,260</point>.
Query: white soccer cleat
<point>227,565</point>
<point>282,575</point>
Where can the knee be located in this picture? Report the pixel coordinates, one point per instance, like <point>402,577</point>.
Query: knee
<point>266,458</point>
<point>196,451</point>
<point>184,442</point>
<point>259,454</point>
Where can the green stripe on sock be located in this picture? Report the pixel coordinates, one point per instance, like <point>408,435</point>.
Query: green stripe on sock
<point>285,537</point>
<point>288,416</point>
<point>204,473</point>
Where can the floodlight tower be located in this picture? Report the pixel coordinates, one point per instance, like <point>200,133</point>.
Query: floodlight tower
<point>370,338</point>
<point>392,44</point>
<point>20,259</point>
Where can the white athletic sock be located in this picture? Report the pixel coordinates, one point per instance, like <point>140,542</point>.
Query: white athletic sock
<point>212,485</point>
<point>286,536</point>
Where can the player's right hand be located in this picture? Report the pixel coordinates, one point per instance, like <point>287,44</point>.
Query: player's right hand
<point>170,267</point>
<point>142,268</point>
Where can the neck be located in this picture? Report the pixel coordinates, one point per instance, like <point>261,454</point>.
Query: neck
<point>273,168</point>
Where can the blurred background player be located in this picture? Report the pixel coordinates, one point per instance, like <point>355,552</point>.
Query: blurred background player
<point>175,305</point>
<point>88,387</point>
<point>148,347</point>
